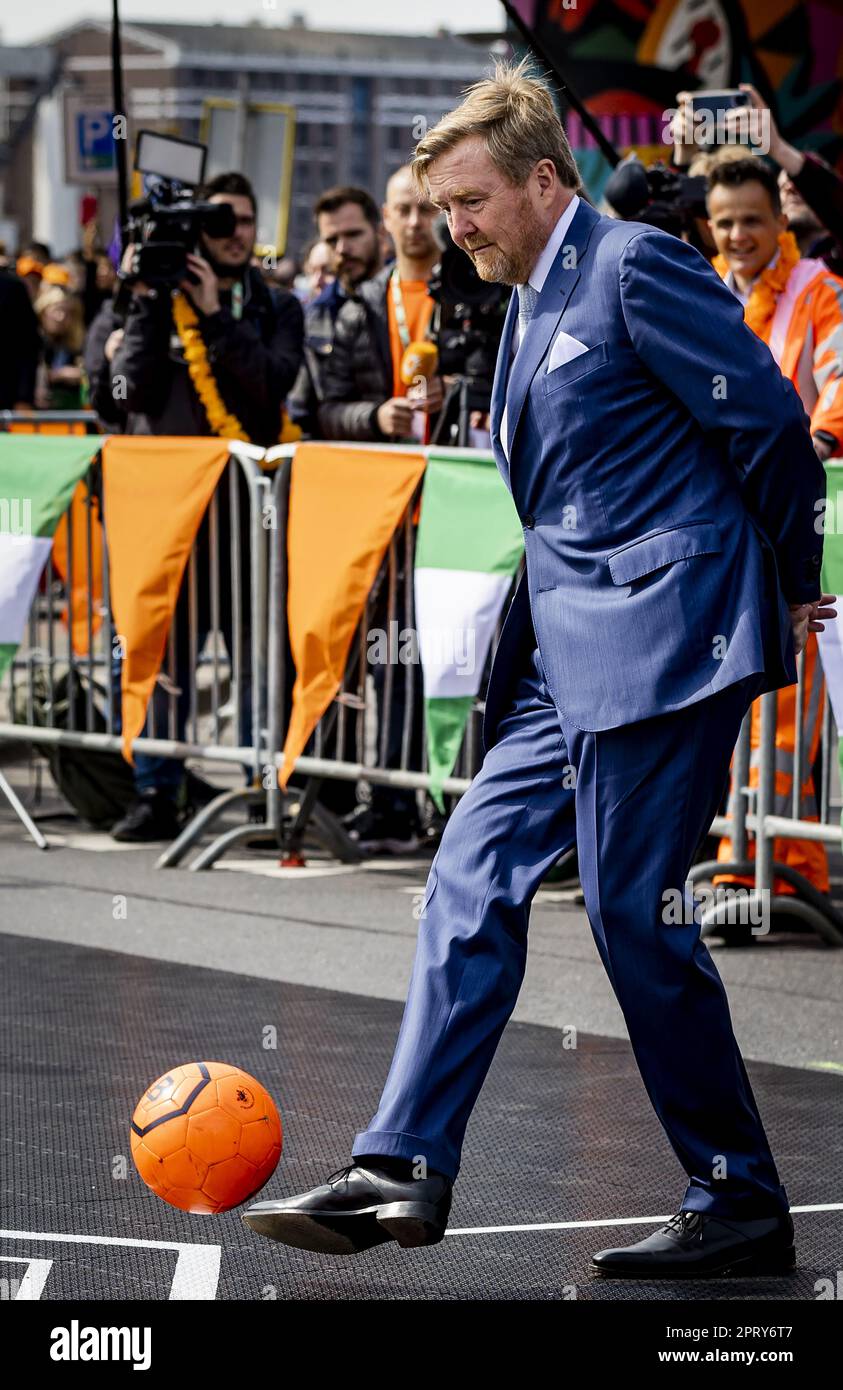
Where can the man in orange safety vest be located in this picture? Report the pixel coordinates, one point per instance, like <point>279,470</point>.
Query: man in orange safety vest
<point>796,306</point>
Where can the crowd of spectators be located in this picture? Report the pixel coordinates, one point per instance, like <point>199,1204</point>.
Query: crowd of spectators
<point>319,338</point>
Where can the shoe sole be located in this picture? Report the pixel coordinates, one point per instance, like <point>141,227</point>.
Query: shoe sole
<point>410,1224</point>
<point>324,1234</point>
<point>782,1262</point>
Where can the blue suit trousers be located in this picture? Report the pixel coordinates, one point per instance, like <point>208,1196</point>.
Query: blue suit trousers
<point>636,801</point>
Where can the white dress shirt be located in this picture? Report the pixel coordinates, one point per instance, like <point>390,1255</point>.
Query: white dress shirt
<point>743,295</point>
<point>537,277</point>
<point>541,269</point>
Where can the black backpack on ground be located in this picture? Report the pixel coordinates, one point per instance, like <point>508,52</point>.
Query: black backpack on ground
<point>98,785</point>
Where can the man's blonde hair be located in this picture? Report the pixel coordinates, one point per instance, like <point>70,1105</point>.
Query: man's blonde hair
<point>514,113</point>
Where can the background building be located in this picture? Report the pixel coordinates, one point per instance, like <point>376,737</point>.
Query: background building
<point>359,100</point>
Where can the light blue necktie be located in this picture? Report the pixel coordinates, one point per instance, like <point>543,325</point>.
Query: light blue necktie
<point>527,300</point>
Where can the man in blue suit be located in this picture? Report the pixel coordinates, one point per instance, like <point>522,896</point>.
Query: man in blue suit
<point>668,489</point>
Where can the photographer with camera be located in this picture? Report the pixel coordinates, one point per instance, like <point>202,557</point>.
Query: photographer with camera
<point>251,339</point>
<point>253,335</point>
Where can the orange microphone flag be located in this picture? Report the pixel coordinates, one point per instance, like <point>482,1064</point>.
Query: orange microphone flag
<point>344,507</point>
<point>156,490</point>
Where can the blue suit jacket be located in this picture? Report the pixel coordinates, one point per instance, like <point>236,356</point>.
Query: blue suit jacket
<point>665,479</point>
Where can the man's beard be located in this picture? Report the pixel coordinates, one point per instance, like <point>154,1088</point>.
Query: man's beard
<point>513,269</point>
<point>369,268</point>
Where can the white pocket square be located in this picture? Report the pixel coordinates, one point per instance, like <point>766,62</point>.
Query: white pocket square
<point>564,349</point>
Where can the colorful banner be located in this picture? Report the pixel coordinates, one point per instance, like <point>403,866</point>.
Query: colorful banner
<point>469,546</point>
<point>627,59</point>
<point>80,580</point>
<point>155,493</point>
<point>37,481</point>
<point>831,641</point>
<point>345,504</point>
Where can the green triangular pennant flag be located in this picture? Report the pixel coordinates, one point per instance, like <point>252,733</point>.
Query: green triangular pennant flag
<point>468,548</point>
<point>38,476</point>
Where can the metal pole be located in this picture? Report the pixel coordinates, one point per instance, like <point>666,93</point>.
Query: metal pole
<point>119,111</point>
<point>607,149</point>
<point>766,794</point>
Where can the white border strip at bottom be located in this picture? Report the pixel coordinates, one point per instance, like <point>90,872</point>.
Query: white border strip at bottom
<point>197,1267</point>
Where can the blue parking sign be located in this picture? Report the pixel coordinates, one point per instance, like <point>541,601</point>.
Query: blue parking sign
<point>95,140</point>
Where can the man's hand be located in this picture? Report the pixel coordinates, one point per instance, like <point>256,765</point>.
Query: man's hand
<point>427,396</point>
<point>205,295</point>
<point>824,445</point>
<point>682,132</point>
<point>807,617</point>
<point>786,156</point>
<point>395,416</point>
<point>127,263</point>
<point>113,342</point>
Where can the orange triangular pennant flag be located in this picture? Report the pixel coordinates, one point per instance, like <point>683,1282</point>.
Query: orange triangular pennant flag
<point>79,589</point>
<point>344,507</point>
<point>156,491</point>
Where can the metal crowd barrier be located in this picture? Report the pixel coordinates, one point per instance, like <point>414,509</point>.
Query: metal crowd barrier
<point>355,718</point>
<point>359,720</point>
<point>47,663</point>
<point>764,813</point>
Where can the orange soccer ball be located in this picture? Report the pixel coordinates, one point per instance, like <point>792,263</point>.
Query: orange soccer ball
<point>206,1136</point>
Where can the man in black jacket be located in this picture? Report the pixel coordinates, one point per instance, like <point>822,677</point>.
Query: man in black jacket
<point>19,345</point>
<point>253,337</point>
<point>348,221</point>
<point>363,395</point>
<point>365,399</point>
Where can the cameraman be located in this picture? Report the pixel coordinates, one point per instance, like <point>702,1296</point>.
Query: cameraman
<point>253,335</point>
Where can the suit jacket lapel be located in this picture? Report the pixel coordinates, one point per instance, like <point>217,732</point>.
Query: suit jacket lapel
<point>556,291</point>
<point>499,384</point>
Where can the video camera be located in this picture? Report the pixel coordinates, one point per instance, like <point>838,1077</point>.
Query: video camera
<point>656,195</point>
<point>166,224</point>
<point>469,318</point>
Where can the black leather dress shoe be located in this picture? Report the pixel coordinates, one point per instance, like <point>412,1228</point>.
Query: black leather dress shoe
<point>358,1207</point>
<point>694,1244</point>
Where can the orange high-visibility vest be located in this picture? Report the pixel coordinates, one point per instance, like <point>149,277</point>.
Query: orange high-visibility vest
<point>806,339</point>
<point>807,857</point>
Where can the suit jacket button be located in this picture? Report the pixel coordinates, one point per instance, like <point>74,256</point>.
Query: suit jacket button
<point>529,521</point>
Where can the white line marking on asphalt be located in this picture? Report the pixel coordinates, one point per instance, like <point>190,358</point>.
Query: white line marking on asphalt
<point>268,868</point>
<point>92,843</point>
<point>613,1221</point>
<point>197,1269</point>
<point>33,1280</point>
<point>314,868</point>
